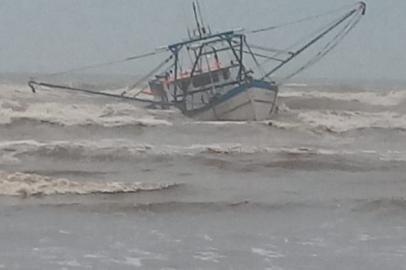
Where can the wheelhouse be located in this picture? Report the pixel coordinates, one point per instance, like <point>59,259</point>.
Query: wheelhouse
<point>215,63</point>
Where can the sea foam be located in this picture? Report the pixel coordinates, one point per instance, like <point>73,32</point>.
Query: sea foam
<point>24,184</point>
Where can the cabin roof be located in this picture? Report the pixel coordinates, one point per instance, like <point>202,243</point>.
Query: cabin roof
<point>222,34</point>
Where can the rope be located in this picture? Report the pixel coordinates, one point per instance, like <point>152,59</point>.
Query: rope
<point>146,77</point>
<point>272,50</point>
<point>110,63</point>
<point>251,52</point>
<point>354,13</point>
<point>290,49</point>
<point>34,83</point>
<point>145,87</point>
<point>330,46</point>
<point>305,19</point>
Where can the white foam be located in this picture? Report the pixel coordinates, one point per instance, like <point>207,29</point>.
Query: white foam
<point>110,115</point>
<point>274,268</point>
<point>71,263</point>
<point>364,237</point>
<point>218,123</point>
<point>315,242</point>
<point>342,121</point>
<point>207,238</point>
<point>16,104</point>
<point>210,255</point>
<point>23,184</point>
<point>267,253</point>
<point>94,256</point>
<point>273,123</point>
<point>126,150</point>
<point>296,85</point>
<point>8,90</point>
<point>392,98</point>
<point>393,156</point>
<point>136,262</point>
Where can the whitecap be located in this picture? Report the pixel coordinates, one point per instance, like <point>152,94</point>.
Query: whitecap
<point>267,253</point>
<point>110,115</point>
<point>23,184</point>
<point>209,256</point>
<point>342,121</point>
<point>133,261</point>
<point>94,256</point>
<point>126,149</point>
<point>70,263</point>
<point>391,98</point>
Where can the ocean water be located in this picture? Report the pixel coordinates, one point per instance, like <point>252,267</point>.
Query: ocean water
<point>95,183</point>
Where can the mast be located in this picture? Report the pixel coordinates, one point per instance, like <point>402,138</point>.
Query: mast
<point>205,28</point>
<point>201,27</point>
<point>198,25</point>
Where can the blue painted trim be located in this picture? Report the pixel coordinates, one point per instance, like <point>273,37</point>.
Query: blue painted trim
<point>234,92</point>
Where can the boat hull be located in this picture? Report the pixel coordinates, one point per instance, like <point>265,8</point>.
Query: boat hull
<point>251,102</point>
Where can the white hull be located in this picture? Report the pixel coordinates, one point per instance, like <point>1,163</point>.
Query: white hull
<point>253,104</point>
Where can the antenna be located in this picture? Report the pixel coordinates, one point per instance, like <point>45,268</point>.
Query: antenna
<point>197,19</point>
<point>199,10</point>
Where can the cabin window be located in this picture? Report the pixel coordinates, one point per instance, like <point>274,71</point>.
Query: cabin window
<point>215,77</point>
<point>205,79</point>
<point>226,74</point>
<point>184,84</point>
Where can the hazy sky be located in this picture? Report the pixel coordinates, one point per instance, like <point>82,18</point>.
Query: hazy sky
<point>53,35</point>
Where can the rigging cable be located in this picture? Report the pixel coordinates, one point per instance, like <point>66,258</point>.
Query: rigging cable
<point>271,50</point>
<point>32,84</point>
<point>305,19</point>
<point>110,63</point>
<point>146,77</point>
<point>290,49</point>
<point>146,87</point>
<point>359,11</point>
<point>326,49</point>
<point>253,56</point>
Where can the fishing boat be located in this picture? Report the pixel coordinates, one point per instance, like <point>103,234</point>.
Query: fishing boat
<point>215,87</point>
<point>208,77</point>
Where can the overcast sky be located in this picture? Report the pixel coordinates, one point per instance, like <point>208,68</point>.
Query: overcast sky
<point>53,35</point>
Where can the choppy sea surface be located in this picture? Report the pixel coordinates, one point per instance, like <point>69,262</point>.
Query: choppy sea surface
<point>94,183</point>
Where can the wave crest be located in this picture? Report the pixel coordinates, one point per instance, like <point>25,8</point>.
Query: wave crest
<point>389,99</point>
<point>11,152</point>
<point>110,115</point>
<point>26,185</point>
<point>382,205</point>
<point>343,121</point>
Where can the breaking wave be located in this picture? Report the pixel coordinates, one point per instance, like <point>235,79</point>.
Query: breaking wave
<point>16,106</point>
<point>125,149</point>
<point>23,184</point>
<point>377,98</point>
<point>331,121</point>
<point>110,115</point>
<point>106,150</point>
<point>191,206</point>
<point>382,205</point>
<point>343,121</point>
<point>116,149</point>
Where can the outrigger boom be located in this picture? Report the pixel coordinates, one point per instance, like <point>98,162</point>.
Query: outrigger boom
<point>32,84</point>
<point>219,85</point>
